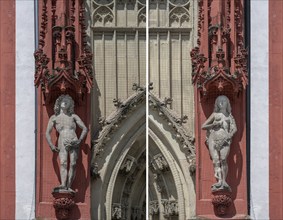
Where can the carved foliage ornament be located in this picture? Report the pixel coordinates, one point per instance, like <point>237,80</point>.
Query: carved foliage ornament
<point>186,140</point>
<point>65,66</point>
<point>154,207</point>
<point>114,120</point>
<point>214,64</point>
<point>170,207</point>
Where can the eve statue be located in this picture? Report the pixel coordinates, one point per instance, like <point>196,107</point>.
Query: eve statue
<point>64,120</point>
<point>220,127</point>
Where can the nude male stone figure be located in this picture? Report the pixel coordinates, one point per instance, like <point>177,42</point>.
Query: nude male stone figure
<point>64,120</point>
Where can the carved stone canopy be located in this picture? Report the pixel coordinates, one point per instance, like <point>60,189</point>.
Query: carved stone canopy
<point>220,62</point>
<point>67,66</point>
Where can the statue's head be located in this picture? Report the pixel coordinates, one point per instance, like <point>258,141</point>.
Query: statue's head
<point>222,102</point>
<point>64,101</point>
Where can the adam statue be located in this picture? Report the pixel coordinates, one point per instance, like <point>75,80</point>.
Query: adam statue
<point>220,127</point>
<point>64,120</point>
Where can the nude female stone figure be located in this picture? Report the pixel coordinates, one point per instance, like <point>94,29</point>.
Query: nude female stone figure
<point>64,120</point>
<point>220,127</point>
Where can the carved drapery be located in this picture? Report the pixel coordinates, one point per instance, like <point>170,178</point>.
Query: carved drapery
<point>63,60</point>
<point>219,61</point>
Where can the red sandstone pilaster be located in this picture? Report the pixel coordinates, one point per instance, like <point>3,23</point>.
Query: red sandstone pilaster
<point>275,110</point>
<point>63,66</point>
<point>7,109</point>
<point>220,68</point>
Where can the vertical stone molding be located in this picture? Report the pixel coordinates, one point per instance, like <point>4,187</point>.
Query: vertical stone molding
<point>63,67</point>
<point>219,69</point>
<point>8,109</point>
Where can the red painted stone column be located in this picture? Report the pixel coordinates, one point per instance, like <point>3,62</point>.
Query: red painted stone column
<point>220,68</point>
<point>63,66</point>
<point>7,109</point>
<point>275,109</point>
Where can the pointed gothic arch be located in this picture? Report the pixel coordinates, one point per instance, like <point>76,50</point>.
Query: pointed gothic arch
<point>119,160</point>
<point>171,158</point>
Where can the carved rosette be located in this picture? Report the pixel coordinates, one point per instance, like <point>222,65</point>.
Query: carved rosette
<point>65,65</point>
<point>215,66</point>
<point>63,204</point>
<point>221,201</point>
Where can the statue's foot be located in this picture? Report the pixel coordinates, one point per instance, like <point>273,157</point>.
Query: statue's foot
<point>216,186</point>
<point>71,190</point>
<point>62,187</point>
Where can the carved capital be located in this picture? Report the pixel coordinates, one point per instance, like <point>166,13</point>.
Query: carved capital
<point>63,203</point>
<point>215,66</point>
<point>65,66</point>
<point>170,208</point>
<point>116,211</point>
<point>153,207</point>
<point>221,201</point>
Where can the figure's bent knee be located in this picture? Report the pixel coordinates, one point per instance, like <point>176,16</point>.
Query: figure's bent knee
<point>73,164</point>
<point>64,164</point>
<point>224,162</point>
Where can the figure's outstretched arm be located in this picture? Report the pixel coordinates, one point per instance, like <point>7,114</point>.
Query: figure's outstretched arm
<point>208,123</point>
<point>47,134</point>
<point>82,126</point>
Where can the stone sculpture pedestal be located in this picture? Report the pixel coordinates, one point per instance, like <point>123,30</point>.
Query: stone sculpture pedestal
<point>63,203</point>
<point>221,201</point>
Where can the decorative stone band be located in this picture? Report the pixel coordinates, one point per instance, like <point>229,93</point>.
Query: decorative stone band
<point>63,203</point>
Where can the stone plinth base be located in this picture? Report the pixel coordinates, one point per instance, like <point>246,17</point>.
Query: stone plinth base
<point>63,203</point>
<point>221,201</point>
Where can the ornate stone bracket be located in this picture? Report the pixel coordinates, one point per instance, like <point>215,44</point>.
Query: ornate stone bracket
<point>63,203</point>
<point>221,201</point>
<point>176,122</point>
<point>115,119</point>
<point>215,66</point>
<point>63,61</point>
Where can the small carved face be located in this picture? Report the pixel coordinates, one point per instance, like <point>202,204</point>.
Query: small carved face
<point>65,104</point>
<point>222,102</point>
